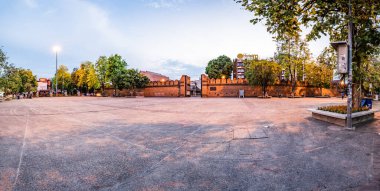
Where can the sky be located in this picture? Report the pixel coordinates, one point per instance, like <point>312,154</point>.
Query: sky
<point>171,37</point>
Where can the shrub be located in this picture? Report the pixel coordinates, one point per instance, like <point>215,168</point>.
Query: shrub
<point>342,109</point>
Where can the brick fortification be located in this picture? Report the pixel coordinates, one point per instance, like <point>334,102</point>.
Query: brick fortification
<point>171,88</point>
<point>230,88</point>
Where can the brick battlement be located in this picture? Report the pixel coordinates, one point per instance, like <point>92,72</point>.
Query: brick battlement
<point>163,84</point>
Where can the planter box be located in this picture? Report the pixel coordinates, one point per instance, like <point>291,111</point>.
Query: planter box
<point>340,119</point>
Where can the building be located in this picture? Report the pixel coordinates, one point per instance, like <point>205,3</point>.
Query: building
<point>239,68</point>
<point>44,87</point>
<point>196,87</point>
<point>154,76</point>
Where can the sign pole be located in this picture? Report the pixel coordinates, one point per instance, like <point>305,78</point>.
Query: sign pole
<point>349,99</point>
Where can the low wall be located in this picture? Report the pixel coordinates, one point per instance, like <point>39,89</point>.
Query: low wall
<point>122,93</point>
<point>230,88</point>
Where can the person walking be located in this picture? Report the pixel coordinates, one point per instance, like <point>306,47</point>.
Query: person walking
<point>342,95</point>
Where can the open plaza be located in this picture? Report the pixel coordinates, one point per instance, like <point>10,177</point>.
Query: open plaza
<point>96,143</point>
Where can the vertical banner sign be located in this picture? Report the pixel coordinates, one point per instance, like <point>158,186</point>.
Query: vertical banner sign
<point>342,59</point>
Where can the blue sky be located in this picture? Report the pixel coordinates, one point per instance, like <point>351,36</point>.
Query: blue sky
<point>172,37</point>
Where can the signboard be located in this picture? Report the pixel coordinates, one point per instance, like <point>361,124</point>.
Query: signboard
<point>336,75</point>
<point>341,48</point>
<point>42,86</point>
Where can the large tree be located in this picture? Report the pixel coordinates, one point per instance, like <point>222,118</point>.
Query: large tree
<point>3,64</point>
<point>263,73</point>
<point>101,71</point>
<point>136,80</point>
<point>293,53</point>
<point>319,75</point>
<point>92,80</point>
<point>85,77</point>
<point>285,18</point>
<point>117,72</point>
<point>28,81</point>
<point>219,67</point>
<point>64,78</point>
<point>15,80</point>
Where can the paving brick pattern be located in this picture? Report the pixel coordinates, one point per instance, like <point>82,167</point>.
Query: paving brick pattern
<point>92,143</point>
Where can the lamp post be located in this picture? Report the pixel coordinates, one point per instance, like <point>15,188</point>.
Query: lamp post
<point>56,49</point>
<point>349,100</point>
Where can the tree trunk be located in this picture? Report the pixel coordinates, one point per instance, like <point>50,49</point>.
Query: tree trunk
<point>103,93</point>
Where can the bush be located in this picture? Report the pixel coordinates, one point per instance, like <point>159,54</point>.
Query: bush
<point>342,109</point>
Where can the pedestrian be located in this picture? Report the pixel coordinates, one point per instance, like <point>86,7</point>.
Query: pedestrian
<point>342,95</point>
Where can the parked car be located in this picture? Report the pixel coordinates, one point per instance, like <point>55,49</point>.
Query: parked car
<point>1,96</point>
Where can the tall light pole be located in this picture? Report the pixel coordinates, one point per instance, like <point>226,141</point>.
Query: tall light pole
<point>349,100</point>
<point>56,49</point>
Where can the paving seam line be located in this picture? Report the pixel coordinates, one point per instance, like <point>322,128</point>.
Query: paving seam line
<point>22,148</point>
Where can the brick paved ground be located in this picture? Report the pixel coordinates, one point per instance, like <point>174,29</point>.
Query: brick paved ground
<point>182,144</point>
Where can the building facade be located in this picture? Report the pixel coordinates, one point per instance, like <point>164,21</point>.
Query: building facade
<point>239,67</point>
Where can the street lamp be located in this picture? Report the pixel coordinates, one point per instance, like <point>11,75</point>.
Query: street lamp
<point>56,49</point>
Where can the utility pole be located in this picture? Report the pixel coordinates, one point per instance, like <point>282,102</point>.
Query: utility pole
<point>349,100</point>
<point>56,73</point>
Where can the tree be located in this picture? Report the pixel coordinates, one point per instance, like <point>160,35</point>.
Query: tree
<point>371,76</point>
<point>101,71</point>
<point>64,78</point>
<point>117,72</point>
<point>136,80</point>
<point>324,17</point>
<point>3,65</point>
<point>28,81</point>
<point>12,80</point>
<point>319,75</point>
<point>293,54</point>
<point>85,77</point>
<point>15,80</point>
<point>263,73</point>
<point>92,79</point>
<point>219,67</point>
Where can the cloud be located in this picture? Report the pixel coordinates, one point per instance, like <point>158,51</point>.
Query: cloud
<point>175,69</point>
<point>157,4</point>
<point>31,3</point>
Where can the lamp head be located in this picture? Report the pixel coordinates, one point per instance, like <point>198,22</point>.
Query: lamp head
<point>56,48</point>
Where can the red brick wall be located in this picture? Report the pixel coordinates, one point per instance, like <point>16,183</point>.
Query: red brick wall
<point>230,88</point>
<point>171,88</point>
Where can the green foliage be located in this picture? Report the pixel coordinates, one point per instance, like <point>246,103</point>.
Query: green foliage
<point>319,75</point>
<point>135,79</point>
<point>293,53</point>
<point>85,77</point>
<point>328,57</point>
<point>64,79</point>
<point>28,81</point>
<point>15,80</point>
<point>262,72</point>
<point>117,71</point>
<point>371,75</point>
<point>285,18</point>
<point>92,78</point>
<point>219,67</point>
<point>101,67</point>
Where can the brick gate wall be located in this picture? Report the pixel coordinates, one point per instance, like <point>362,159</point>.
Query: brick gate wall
<point>171,88</point>
<point>230,88</point>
